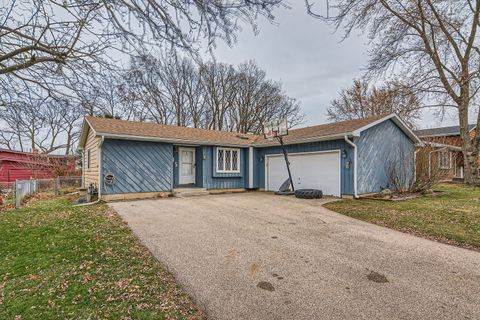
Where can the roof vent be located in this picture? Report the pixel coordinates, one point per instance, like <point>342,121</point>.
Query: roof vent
<point>242,137</point>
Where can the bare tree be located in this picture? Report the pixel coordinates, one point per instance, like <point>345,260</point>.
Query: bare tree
<point>44,124</point>
<point>71,125</point>
<point>142,90</point>
<point>26,119</point>
<point>54,51</point>
<point>258,100</point>
<point>11,133</point>
<point>220,82</point>
<point>195,95</point>
<point>362,100</point>
<point>431,45</point>
<point>44,36</point>
<point>174,90</point>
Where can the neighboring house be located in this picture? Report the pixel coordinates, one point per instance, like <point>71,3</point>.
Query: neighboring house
<point>441,154</point>
<point>145,159</point>
<point>25,165</point>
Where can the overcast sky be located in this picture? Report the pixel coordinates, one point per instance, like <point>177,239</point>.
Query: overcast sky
<point>308,57</point>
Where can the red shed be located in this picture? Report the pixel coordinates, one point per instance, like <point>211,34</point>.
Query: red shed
<point>25,165</point>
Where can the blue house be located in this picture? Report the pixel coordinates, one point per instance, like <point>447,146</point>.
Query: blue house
<point>128,159</point>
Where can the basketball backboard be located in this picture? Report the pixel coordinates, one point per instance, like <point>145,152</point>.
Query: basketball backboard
<point>275,128</point>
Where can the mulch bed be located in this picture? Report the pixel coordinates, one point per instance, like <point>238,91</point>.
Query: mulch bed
<point>402,196</point>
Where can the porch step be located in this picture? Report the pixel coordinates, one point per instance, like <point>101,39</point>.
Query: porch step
<point>189,192</point>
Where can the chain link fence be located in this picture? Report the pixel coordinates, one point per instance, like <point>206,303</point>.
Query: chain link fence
<point>23,189</point>
<point>7,194</point>
<point>14,193</point>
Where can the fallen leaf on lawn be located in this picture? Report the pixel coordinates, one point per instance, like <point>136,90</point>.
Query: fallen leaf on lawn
<point>123,284</point>
<point>86,278</point>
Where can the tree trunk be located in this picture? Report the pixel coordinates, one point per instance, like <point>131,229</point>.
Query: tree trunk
<point>471,168</point>
<point>469,149</point>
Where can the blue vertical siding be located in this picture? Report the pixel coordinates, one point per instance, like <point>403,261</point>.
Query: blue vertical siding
<point>346,173</point>
<point>176,167</point>
<point>199,166</point>
<point>138,166</point>
<point>153,166</point>
<point>378,148</point>
<point>215,180</point>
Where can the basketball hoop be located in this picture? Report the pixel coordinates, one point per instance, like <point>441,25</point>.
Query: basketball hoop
<point>275,128</point>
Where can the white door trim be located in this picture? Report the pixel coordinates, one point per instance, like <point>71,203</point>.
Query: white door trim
<point>266,186</point>
<point>193,181</point>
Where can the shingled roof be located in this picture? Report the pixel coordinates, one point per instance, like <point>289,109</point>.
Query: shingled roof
<point>323,131</point>
<point>442,131</point>
<point>123,128</point>
<point>134,130</point>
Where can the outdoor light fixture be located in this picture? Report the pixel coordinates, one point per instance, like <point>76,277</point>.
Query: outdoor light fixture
<point>344,154</point>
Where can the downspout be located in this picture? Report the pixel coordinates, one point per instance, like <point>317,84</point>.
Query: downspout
<point>99,161</point>
<point>250,167</point>
<point>83,168</point>
<point>354,146</point>
<point>415,164</point>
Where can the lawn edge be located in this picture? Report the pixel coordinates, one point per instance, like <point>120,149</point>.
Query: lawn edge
<point>415,233</point>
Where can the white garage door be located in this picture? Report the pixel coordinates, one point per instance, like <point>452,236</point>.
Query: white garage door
<point>319,170</point>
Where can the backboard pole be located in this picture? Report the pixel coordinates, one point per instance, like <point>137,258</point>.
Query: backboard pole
<point>285,155</point>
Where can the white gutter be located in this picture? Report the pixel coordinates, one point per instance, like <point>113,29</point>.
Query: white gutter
<point>304,140</point>
<point>99,161</point>
<point>250,167</point>
<point>170,140</point>
<point>354,146</point>
<point>224,144</point>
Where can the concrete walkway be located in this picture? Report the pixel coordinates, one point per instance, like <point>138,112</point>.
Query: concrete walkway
<point>260,256</point>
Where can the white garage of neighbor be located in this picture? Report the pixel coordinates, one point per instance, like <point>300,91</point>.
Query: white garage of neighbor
<point>310,170</point>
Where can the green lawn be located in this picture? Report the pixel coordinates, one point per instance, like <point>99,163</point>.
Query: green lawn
<point>60,262</point>
<point>452,218</point>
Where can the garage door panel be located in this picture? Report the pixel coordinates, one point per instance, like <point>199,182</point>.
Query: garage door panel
<point>312,170</point>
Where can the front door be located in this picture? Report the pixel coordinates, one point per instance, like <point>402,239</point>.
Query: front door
<point>187,165</point>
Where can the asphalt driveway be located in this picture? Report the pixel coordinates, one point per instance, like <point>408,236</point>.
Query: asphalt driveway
<point>260,256</point>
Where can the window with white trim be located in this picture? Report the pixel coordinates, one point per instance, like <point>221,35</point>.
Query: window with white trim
<point>228,160</point>
<point>445,160</point>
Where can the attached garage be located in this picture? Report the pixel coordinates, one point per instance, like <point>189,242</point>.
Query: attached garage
<point>343,158</point>
<point>310,170</point>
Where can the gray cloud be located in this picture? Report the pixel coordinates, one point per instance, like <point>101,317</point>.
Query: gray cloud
<point>310,59</point>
